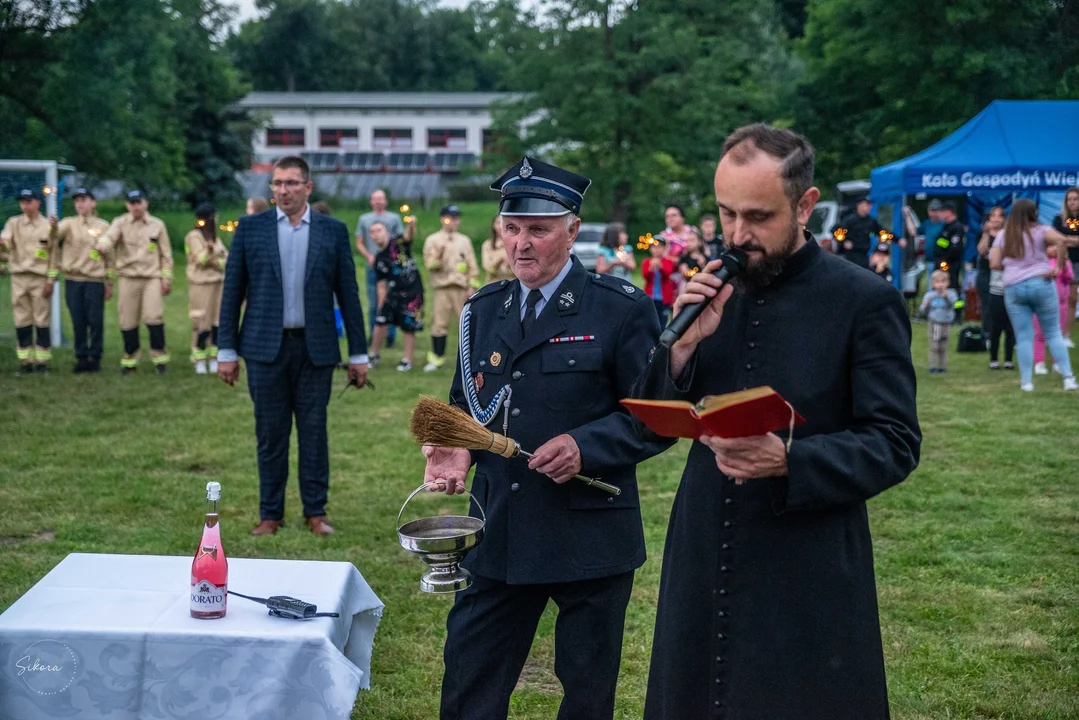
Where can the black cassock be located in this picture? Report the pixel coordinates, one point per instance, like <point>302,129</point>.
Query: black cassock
<point>768,607</point>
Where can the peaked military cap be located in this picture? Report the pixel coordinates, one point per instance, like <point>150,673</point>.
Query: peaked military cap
<point>83,192</point>
<point>134,196</point>
<point>532,187</point>
<point>28,194</point>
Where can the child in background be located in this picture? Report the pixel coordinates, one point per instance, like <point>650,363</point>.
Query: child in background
<point>658,283</point>
<point>1063,281</point>
<point>940,304</point>
<point>880,261</point>
<point>400,294</point>
<point>999,323</point>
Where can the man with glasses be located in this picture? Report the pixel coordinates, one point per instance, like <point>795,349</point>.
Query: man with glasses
<point>288,264</point>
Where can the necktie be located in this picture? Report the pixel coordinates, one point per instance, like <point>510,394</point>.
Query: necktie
<point>534,296</point>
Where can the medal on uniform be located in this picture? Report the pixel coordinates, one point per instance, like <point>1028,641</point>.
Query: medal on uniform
<point>479,381</point>
<point>496,359</point>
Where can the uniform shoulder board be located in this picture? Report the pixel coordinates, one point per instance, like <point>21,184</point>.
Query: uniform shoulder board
<point>623,287</point>
<point>490,289</point>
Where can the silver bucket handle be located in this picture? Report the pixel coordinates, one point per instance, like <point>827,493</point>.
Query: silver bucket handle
<point>423,486</point>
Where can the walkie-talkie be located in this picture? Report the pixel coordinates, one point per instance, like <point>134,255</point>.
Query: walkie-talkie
<point>288,607</point>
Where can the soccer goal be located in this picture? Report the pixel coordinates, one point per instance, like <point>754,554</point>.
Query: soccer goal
<point>43,175</point>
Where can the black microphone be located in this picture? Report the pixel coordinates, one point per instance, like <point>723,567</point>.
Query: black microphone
<point>734,262</point>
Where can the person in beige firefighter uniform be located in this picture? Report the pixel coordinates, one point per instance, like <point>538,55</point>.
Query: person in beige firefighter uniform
<point>30,252</point>
<point>206,257</point>
<point>144,268</point>
<point>88,277</point>
<point>451,263</point>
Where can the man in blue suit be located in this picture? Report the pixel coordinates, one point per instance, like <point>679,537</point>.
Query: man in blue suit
<point>288,263</point>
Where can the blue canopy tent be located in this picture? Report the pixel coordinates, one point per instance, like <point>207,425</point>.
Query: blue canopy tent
<point>1011,147</point>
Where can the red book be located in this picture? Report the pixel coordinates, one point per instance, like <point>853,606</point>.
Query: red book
<point>210,569</point>
<point>757,411</point>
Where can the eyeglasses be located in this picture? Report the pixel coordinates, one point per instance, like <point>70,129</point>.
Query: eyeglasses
<point>290,184</point>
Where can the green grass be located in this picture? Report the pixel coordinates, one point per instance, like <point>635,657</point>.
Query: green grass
<point>977,553</point>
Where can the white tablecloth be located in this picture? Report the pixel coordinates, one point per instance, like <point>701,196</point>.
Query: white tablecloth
<point>110,636</point>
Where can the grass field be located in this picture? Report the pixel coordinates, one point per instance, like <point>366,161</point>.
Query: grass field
<point>977,553</point>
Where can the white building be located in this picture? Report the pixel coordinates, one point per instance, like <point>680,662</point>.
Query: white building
<point>373,132</point>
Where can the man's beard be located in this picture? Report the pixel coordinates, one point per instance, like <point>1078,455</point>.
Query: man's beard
<point>761,272</point>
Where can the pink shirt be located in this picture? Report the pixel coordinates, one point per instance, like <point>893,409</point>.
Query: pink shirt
<point>1034,263</point>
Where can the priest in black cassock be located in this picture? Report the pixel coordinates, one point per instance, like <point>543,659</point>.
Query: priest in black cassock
<point>768,606</point>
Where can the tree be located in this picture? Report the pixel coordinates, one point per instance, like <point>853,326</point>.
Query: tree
<point>639,96</point>
<point>885,79</point>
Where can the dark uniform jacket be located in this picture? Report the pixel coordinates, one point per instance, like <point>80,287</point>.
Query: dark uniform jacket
<point>948,248</point>
<point>862,232</point>
<point>768,606</point>
<point>539,531</point>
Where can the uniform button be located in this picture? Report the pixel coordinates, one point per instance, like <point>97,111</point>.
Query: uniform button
<point>722,636</point>
<point>517,375</point>
<point>718,682</point>
<point>610,499</point>
<point>728,501</point>
<point>756,323</point>
<point>515,487</point>
<point>752,345</point>
<point>717,703</point>
<point>725,546</point>
<point>719,659</point>
<point>749,366</point>
<point>483,363</point>
<point>722,614</point>
<point>760,302</point>
<point>726,523</point>
<point>515,412</point>
<point>723,569</point>
<point>572,362</point>
<point>723,592</point>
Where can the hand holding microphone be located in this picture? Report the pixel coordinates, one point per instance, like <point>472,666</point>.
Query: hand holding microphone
<point>699,308</point>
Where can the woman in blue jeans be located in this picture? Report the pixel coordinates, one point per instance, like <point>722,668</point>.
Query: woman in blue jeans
<point>1029,290</point>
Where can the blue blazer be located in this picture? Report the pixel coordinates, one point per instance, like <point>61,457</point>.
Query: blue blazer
<point>253,273</point>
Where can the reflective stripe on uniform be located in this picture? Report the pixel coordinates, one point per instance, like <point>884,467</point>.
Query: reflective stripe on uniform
<point>42,354</point>
<point>160,359</point>
<point>23,353</point>
<point>129,362</point>
<point>197,354</point>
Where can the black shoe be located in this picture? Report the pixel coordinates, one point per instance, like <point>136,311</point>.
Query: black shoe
<point>128,371</point>
<point>161,369</point>
<point>24,369</point>
<point>83,365</point>
<point>42,369</point>
<point>93,365</point>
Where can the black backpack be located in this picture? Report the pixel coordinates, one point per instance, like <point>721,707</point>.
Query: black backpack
<point>971,340</point>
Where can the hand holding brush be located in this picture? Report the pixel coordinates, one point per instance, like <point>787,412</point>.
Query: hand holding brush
<point>440,425</point>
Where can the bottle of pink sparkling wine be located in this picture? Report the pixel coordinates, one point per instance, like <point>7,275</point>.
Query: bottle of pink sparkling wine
<point>210,569</point>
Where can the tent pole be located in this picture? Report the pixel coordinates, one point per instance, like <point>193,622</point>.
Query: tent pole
<point>899,231</point>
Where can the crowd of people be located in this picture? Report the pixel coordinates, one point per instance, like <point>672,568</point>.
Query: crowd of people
<point>1025,279</point>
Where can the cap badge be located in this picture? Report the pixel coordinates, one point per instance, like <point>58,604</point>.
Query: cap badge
<point>526,170</point>
<point>629,289</point>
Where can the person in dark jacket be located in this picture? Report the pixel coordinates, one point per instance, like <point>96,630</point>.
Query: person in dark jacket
<point>767,602</point>
<point>948,246</point>
<point>862,231</point>
<point>568,345</point>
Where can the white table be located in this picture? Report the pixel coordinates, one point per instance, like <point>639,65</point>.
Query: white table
<point>112,637</point>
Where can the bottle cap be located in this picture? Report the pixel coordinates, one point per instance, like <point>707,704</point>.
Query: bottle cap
<point>213,491</point>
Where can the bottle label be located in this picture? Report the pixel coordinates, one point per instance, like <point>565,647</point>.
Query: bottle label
<point>207,597</point>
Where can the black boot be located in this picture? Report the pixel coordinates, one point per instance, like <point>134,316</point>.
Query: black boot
<point>25,369</point>
<point>83,365</point>
<point>42,369</point>
<point>93,365</point>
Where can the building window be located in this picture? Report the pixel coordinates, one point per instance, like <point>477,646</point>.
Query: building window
<point>332,137</point>
<point>284,137</point>
<point>451,139</point>
<point>393,139</point>
<point>491,142</point>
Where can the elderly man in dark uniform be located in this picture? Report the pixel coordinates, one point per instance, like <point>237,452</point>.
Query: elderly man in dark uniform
<point>551,354</point>
<point>767,605</point>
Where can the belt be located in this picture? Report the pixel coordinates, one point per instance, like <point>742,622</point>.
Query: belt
<point>292,333</point>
